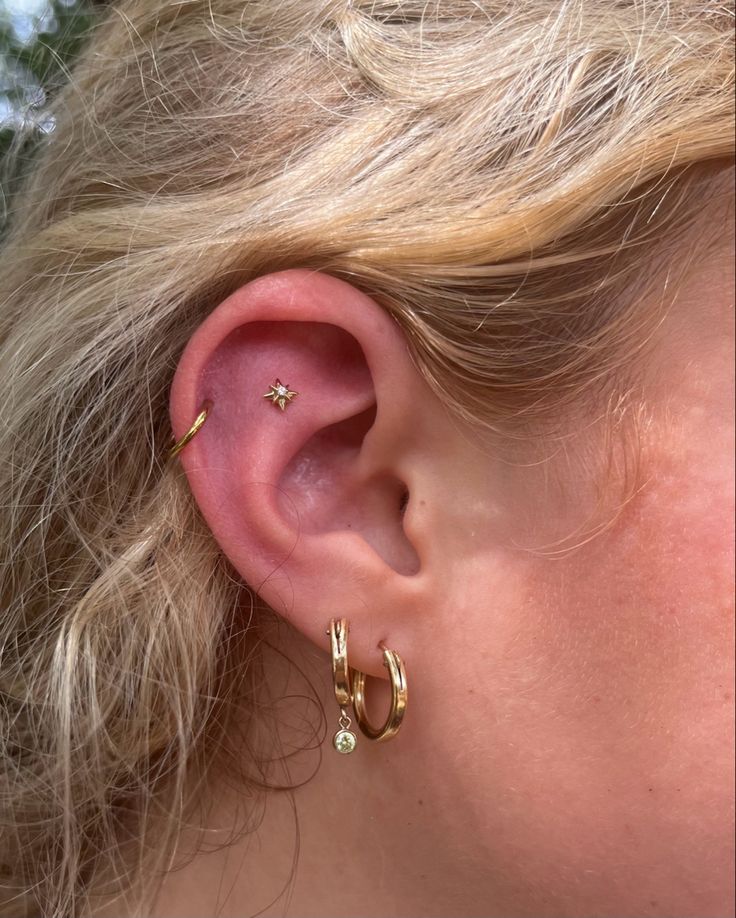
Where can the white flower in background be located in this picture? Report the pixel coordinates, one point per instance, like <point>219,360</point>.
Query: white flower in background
<point>21,96</point>
<point>28,17</point>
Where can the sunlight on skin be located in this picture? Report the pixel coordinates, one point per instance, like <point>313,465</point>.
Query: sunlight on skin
<point>568,742</point>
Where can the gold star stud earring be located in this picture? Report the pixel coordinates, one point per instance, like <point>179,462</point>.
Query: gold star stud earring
<point>280,394</point>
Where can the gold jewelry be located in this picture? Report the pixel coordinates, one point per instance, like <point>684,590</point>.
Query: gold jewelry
<point>198,422</point>
<point>350,686</point>
<point>392,661</point>
<point>344,740</point>
<point>280,394</point>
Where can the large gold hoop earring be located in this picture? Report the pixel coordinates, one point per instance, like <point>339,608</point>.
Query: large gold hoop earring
<point>344,740</point>
<point>392,661</point>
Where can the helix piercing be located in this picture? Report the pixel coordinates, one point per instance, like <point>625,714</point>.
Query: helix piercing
<point>198,422</point>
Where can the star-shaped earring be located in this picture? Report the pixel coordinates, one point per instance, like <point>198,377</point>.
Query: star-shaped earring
<point>280,394</point>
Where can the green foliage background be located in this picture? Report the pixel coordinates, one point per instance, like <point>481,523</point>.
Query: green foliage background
<point>36,52</point>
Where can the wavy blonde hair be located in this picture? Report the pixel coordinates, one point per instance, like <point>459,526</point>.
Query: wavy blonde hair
<point>496,174</point>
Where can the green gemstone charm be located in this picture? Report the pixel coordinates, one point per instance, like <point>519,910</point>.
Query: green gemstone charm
<point>344,740</point>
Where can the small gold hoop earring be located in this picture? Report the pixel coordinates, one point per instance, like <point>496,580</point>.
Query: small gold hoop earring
<point>399,694</point>
<point>198,422</point>
<point>344,740</point>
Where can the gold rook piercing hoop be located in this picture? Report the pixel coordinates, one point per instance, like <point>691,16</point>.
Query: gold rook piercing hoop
<point>344,740</point>
<point>198,422</point>
<point>393,662</point>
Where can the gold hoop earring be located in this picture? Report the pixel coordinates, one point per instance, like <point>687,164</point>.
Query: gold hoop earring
<point>344,740</point>
<point>399,694</point>
<point>198,422</point>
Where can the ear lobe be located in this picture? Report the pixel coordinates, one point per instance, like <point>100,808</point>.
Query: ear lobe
<point>307,502</point>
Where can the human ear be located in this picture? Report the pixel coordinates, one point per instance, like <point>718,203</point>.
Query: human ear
<point>317,505</point>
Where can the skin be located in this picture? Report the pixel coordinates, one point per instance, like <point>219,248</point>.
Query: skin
<point>568,742</point>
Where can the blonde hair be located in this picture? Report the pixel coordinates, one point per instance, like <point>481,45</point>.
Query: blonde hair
<point>495,174</point>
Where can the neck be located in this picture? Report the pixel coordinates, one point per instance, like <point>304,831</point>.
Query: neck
<point>363,835</point>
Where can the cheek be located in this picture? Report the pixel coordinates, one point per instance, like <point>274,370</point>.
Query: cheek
<point>667,563</point>
<point>649,609</point>
<point>632,649</point>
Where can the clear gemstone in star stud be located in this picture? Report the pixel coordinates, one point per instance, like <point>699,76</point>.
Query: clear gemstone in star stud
<point>280,394</point>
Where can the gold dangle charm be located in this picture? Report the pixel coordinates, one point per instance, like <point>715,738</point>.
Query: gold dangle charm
<point>344,740</point>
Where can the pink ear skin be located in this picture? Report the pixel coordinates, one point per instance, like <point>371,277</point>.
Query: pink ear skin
<point>308,501</point>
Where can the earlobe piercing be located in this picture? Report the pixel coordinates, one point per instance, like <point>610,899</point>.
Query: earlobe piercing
<point>349,687</point>
<point>280,394</point>
<point>390,727</point>
<point>344,740</point>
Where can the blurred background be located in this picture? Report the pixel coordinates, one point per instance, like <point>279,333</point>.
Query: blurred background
<point>39,40</point>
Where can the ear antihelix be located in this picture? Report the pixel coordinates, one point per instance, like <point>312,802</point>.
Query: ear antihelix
<point>368,510</point>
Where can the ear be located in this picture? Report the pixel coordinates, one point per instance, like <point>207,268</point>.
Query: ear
<point>320,506</point>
